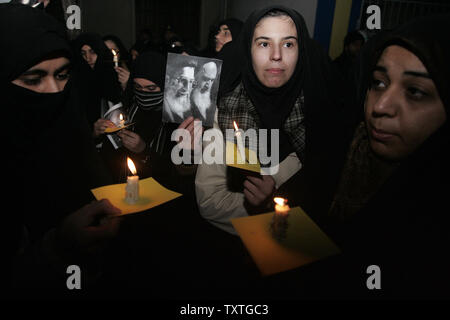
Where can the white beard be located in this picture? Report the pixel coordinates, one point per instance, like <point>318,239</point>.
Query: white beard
<point>178,105</point>
<point>202,101</point>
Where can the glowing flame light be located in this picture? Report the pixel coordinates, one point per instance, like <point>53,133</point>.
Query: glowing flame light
<point>235,126</point>
<point>131,166</point>
<point>114,52</point>
<point>120,117</point>
<point>280,201</point>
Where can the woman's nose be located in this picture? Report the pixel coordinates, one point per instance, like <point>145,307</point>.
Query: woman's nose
<point>387,104</point>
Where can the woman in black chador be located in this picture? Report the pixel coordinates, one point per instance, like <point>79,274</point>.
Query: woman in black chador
<point>51,163</point>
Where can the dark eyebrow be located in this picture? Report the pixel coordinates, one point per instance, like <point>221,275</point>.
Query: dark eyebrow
<point>380,69</point>
<point>406,73</point>
<point>63,68</point>
<point>35,72</point>
<point>43,73</point>
<point>417,74</point>
<point>267,38</point>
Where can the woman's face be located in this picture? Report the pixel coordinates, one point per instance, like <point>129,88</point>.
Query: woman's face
<point>274,50</point>
<point>223,36</point>
<point>134,54</point>
<point>403,107</point>
<point>146,85</point>
<point>48,76</point>
<point>112,46</point>
<point>89,55</point>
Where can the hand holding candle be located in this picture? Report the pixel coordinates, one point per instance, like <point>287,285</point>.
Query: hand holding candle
<point>132,187</point>
<point>240,142</point>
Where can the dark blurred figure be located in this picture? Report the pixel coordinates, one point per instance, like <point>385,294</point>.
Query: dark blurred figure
<point>353,43</point>
<point>227,30</point>
<point>94,74</point>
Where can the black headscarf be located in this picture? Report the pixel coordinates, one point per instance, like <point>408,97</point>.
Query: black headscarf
<point>403,227</point>
<point>28,22</point>
<point>151,66</point>
<point>235,26</point>
<point>124,54</point>
<point>313,75</point>
<point>51,160</point>
<point>99,82</point>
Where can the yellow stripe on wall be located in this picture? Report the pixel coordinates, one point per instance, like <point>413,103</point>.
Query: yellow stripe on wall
<point>340,27</point>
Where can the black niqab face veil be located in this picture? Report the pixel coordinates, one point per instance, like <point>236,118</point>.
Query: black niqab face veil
<point>36,36</point>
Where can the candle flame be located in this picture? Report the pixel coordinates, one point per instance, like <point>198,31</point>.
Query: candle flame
<point>114,52</point>
<point>235,126</point>
<point>131,166</point>
<point>120,117</point>
<point>280,201</point>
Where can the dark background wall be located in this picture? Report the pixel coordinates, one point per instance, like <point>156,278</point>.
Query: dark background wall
<point>192,19</point>
<point>110,16</point>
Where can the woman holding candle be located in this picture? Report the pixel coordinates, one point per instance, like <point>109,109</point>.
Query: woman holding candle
<point>148,141</point>
<point>94,75</point>
<point>285,83</point>
<point>51,161</point>
<point>121,56</point>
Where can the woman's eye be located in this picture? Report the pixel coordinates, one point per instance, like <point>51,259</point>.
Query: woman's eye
<point>62,76</point>
<point>416,93</point>
<point>288,44</point>
<point>264,44</point>
<point>32,82</point>
<point>378,84</point>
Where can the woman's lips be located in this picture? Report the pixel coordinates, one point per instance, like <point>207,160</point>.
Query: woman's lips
<point>380,135</point>
<point>274,70</point>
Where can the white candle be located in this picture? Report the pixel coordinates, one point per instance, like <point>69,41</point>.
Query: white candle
<point>132,187</point>
<point>121,121</point>
<point>279,223</point>
<point>240,142</point>
<point>116,58</point>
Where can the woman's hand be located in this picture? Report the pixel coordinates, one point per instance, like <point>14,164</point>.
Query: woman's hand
<point>100,126</point>
<point>132,141</point>
<point>88,229</point>
<point>258,191</point>
<point>195,131</point>
<point>123,75</point>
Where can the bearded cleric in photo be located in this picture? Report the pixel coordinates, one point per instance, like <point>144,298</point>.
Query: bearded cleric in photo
<point>191,88</point>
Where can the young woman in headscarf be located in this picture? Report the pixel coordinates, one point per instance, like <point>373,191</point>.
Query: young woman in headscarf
<point>228,30</point>
<point>285,83</point>
<point>94,74</point>
<point>148,141</point>
<point>123,70</point>
<point>391,208</point>
<point>51,163</point>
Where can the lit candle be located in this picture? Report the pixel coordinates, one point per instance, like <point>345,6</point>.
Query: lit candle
<point>279,221</point>
<point>281,206</point>
<point>240,142</point>
<point>132,187</point>
<point>121,121</point>
<point>116,58</point>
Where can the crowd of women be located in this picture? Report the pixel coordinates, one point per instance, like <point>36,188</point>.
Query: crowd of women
<point>366,158</point>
